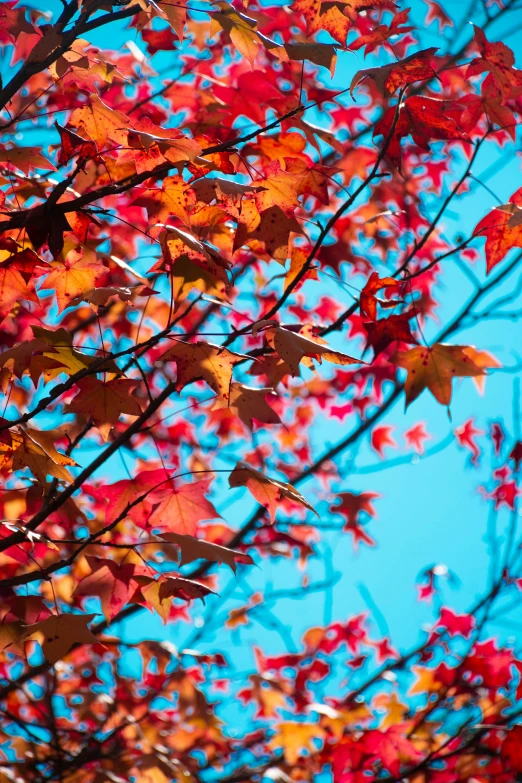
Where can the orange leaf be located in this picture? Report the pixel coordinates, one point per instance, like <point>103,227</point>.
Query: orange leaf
<point>100,122</point>
<point>297,739</point>
<point>58,633</point>
<point>72,278</point>
<point>278,189</point>
<point>267,491</point>
<point>182,507</point>
<point>241,29</point>
<point>35,450</point>
<point>25,159</point>
<point>249,404</point>
<point>13,287</point>
<point>105,402</point>
<point>369,301</point>
<point>195,549</point>
<point>434,369</point>
<point>195,361</point>
<point>292,347</point>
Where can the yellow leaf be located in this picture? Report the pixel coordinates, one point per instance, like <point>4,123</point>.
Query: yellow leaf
<point>35,450</point>
<point>425,682</point>
<point>395,711</point>
<point>294,738</point>
<point>187,276</point>
<point>241,29</point>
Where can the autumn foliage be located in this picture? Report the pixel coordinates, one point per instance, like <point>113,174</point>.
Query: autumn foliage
<point>224,259</point>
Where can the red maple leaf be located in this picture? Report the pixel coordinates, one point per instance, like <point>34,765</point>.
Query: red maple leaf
<point>391,748</point>
<point>384,650</point>
<point>105,402</point>
<point>159,40</point>
<point>368,300</point>
<point>498,59</point>
<point>380,34</point>
<point>505,494</point>
<point>73,144</point>
<point>466,435</point>
<point>437,13</point>
<point>352,505</point>
<point>131,492</point>
<point>511,750</point>
<point>111,582</point>
<point>501,235</point>
<point>386,331</point>
<point>425,119</point>
<point>516,454</point>
<point>381,438</point>
<point>352,634</point>
<point>388,78</point>
<point>456,624</point>
<point>488,103</point>
<point>493,665</point>
<point>416,436</point>
<point>498,437</point>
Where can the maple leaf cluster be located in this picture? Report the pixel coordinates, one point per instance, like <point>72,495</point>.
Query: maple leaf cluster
<point>184,220</point>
